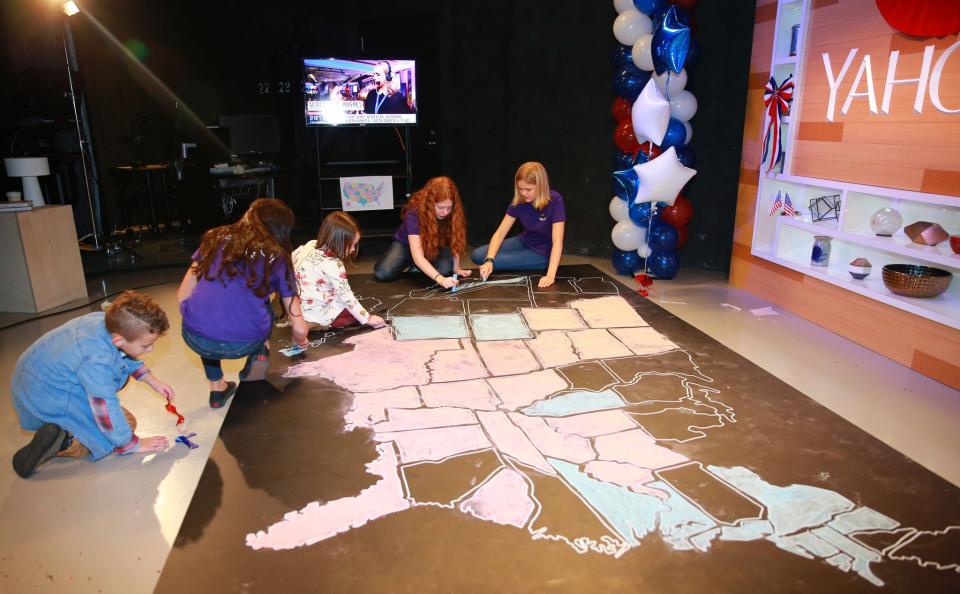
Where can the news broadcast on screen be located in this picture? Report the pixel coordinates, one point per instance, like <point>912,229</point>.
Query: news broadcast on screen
<point>341,92</point>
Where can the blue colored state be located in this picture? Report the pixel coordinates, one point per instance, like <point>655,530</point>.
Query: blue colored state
<point>429,327</point>
<point>499,327</point>
<point>572,403</point>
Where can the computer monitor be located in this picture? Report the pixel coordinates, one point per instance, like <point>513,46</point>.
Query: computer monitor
<point>252,134</point>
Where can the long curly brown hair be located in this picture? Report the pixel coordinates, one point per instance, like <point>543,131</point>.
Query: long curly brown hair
<point>450,232</point>
<point>253,246</point>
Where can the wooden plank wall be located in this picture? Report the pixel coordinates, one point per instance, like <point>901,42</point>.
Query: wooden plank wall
<point>901,149</point>
<point>925,346</point>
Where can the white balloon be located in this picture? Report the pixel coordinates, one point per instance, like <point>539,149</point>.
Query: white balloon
<point>689,129</point>
<point>661,179</point>
<point>630,25</point>
<point>683,105</point>
<point>619,209</point>
<point>644,250</point>
<point>622,5</point>
<point>650,114</point>
<point>642,57</point>
<point>676,84</point>
<point>627,236</point>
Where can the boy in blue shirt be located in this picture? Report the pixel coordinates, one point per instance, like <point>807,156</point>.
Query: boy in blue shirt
<point>65,385</point>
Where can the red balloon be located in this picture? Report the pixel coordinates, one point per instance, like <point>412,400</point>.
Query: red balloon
<point>621,109</point>
<point>624,137</point>
<point>681,236</point>
<point>651,150</point>
<point>679,214</point>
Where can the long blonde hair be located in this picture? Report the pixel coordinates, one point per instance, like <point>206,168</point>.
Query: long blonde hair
<point>534,173</point>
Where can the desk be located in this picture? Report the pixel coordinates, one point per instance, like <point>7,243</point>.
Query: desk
<point>147,171</point>
<point>41,266</point>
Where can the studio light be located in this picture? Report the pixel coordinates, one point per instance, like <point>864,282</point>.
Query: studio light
<point>70,8</point>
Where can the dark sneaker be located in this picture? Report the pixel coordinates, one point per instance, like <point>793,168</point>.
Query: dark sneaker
<point>45,444</point>
<point>218,399</point>
<point>257,370</point>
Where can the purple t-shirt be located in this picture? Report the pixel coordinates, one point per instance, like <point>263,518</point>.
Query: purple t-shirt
<point>410,226</point>
<point>538,224</point>
<point>226,309</point>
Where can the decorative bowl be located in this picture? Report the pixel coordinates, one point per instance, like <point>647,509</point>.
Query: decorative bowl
<point>911,280</point>
<point>860,268</point>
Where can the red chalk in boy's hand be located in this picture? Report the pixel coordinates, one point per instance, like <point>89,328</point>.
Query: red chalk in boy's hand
<point>173,410</point>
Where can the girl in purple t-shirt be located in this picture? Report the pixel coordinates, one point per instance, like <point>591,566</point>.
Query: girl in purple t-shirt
<point>225,295</point>
<point>542,216</point>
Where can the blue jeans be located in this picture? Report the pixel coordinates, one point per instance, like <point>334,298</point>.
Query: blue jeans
<point>213,351</point>
<point>398,258</point>
<point>513,255</point>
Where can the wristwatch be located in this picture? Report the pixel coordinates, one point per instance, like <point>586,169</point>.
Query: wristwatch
<point>485,260</point>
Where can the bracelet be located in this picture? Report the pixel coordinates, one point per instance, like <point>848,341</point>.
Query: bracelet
<point>436,275</point>
<point>490,260</point>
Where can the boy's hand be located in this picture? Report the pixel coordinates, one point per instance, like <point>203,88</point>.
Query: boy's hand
<point>161,388</point>
<point>157,443</point>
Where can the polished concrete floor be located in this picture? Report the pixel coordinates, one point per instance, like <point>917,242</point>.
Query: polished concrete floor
<point>108,527</point>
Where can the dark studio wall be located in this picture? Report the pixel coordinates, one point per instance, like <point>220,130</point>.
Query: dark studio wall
<point>499,83</point>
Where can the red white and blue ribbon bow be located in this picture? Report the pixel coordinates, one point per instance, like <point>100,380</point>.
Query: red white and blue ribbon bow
<point>777,100</point>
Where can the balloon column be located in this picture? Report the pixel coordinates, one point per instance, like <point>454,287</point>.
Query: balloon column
<point>653,162</point>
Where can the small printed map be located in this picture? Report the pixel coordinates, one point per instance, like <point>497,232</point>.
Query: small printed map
<point>570,396</point>
<point>366,193</point>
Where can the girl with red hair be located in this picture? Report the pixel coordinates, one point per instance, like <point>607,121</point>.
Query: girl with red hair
<point>432,237</point>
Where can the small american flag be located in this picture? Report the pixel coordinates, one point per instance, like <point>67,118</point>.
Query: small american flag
<point>788,209</point>
<point>777,204</point>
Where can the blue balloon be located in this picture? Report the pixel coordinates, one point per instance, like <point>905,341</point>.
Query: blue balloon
<point>629,81</point>
<point>622,56</point>
<point>626,262</point>
<point>625,184</point>
<point>675,136</point>
<point>640,214</point>
<point>622,160</point>
<point>662,237</point>
<point>686,157</point>
<point>663,264</point>
<point>671,41</point>
<point>649,7</point>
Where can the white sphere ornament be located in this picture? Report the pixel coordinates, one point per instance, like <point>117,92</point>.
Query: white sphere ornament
<point>886,222</point>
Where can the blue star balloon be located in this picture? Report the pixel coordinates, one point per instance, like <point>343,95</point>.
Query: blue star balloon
<point>626,184</point>
<point>671,41</point>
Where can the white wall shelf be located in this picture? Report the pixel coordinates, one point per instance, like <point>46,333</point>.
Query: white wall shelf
<point>788,241</point>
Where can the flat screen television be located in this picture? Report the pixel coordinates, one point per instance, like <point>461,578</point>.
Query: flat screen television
<point>348,92</point>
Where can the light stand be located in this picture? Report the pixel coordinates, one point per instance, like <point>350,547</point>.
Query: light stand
<point>70,9</point>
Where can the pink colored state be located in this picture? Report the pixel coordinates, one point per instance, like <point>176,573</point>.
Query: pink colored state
<point>520,390</point>
<point>504,499</point>
<point>644,341</point>
<point>509,439</point>
<point>597,344</point>
<point>368,408</point>
<point>473,394</point>
<point>552,318</point>
<point>463,364</point>
<point>553,348</point>
<point>608,312</point>
<point>401,419</point>
<point>507,357</point>
<point>397,363</point>
<point>593,424</point>
<point>571,448</point>
<point>436,444</point>
<point>318,521</point>
<point>636,447</point>
<point>625,475</point>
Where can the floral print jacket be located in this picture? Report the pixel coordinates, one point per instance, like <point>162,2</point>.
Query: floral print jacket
<point>324,288</point>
